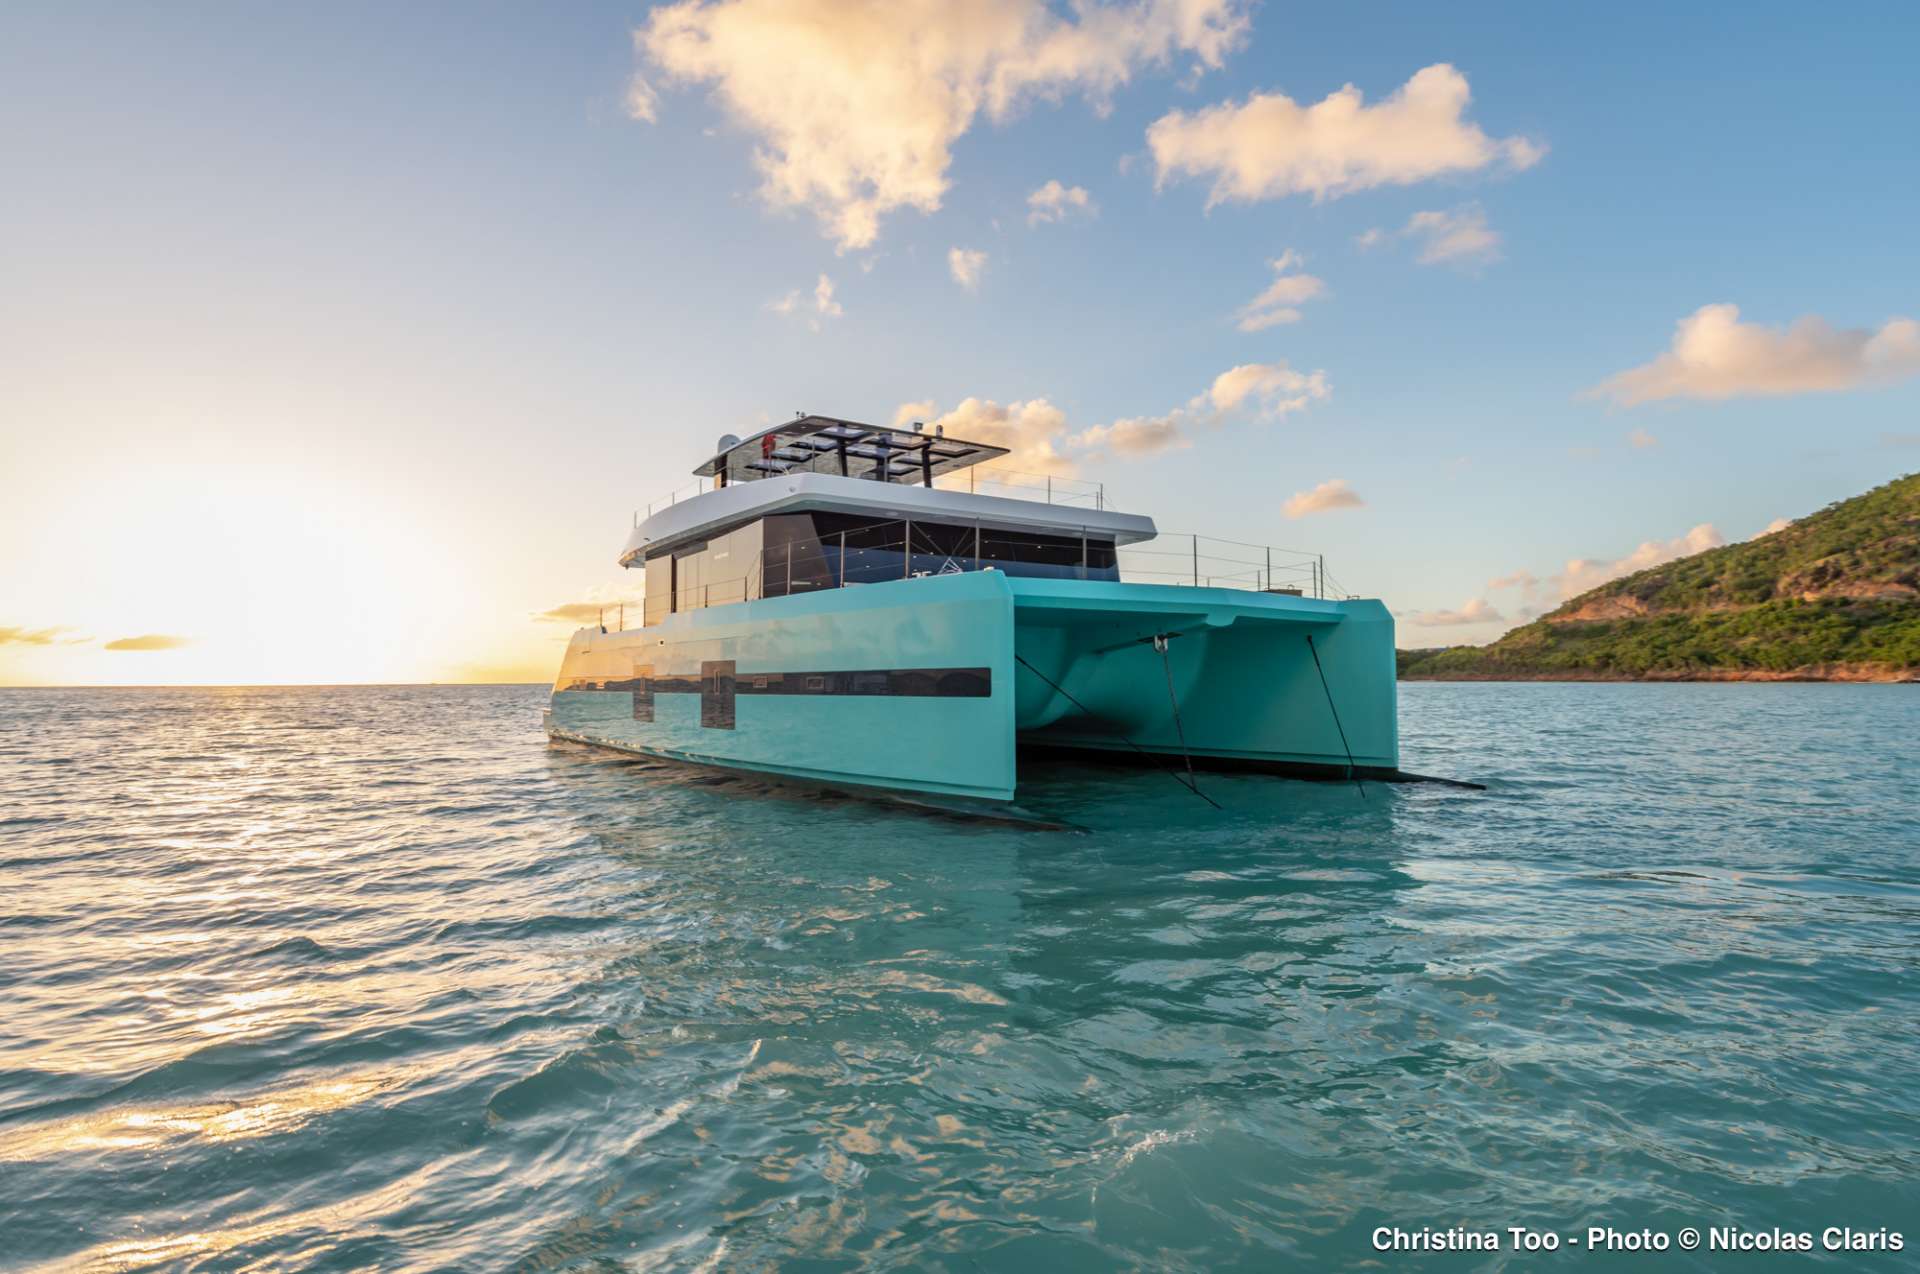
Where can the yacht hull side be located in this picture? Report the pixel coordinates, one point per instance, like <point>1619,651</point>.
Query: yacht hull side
<point>901,686</point>
<point>934,685</point>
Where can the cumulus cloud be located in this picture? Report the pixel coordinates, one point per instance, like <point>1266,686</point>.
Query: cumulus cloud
<point>1778,524</point>
<point>1259,391</point>
<point>149,641</point>
<point>1140,435</point>
<point>1033,431</point>
<point>1270,146</point>
<point>1476,611</point>
<point>966,265</point>
<point>1055,202</point>
<point>1040,437</point>
<point>1334,493</point>
<point>1281,301</point>
<point>1715,356</point>
<point>1275,388</point>
<point>1583,573</point>
<point>1458,237</point>
<point>856,107</point>
<point>919,410</point>
<point>822,306</point>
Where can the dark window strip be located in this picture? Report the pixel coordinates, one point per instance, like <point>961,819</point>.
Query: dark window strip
<point>946,683</point>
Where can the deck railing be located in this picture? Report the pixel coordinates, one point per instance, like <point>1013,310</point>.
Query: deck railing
<point>993,479</point>
<point>905,550</point>
<point>672,498</point>
<point>984,479</point>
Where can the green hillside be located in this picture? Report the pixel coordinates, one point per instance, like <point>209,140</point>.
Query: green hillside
<point>1834,596</point>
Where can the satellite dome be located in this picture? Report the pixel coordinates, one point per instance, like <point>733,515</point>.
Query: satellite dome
<point>727,443</point>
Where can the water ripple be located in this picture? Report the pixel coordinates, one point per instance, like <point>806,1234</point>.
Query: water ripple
<point>336,979</point>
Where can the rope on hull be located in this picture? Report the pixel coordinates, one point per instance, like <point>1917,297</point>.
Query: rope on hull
<point>1093,717</point>
<point>1353,771</point>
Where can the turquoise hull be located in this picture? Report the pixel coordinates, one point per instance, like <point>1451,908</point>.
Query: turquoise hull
<point>934,685</point>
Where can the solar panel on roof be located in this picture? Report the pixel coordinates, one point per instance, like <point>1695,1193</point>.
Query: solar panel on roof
<point>824,444</point>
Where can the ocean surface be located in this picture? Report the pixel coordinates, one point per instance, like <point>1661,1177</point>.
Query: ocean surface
<point>376,978</point>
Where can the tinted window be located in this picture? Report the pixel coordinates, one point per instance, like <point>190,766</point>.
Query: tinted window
<point>804,552</point>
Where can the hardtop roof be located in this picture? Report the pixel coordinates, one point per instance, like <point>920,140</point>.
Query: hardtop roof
<point>826,444</point>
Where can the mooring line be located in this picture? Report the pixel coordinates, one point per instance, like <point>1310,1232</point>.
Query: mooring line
<point>1123,738</point>
<point>1166,662</point>
<point>1353,771</point>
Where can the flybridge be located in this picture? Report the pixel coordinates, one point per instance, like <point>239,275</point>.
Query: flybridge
<point>823,444</point>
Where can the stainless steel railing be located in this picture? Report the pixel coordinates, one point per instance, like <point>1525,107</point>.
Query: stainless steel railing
<point>992,479</point>
<point>985,479</point>
<point>901,550</point>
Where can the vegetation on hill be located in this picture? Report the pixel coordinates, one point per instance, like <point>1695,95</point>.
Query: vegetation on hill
<point>1835,595</point>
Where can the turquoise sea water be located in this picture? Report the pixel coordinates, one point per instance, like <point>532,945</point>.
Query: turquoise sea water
<point>339,979</point>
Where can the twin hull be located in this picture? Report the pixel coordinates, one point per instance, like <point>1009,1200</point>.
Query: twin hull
<point>931,685</point>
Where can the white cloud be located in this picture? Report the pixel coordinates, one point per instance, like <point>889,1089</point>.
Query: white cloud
<point>1261,391</point>
<point>966,265</point>
<point>823,305</point>
<point>1055,202</point>
<point>1475,611</point>
<point>1334,493</point>
<point>921,409</point>
<point>1032,431</point>
<point>642,102</point>
<point>1139,435</point>
<point>823,298</point>
<point>1276,388</point>
<point>1583,573</point>
<point>856,106</point>
<point>1270,146</point>
<point>1040,438</point>
<point>1778,524</point>
<point>1459,237</point>
<point>1641,440</point>
<point>1716,356</point>
<point>1282,300</point>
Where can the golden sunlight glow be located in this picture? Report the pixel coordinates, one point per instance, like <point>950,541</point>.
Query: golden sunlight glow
<point>179,574</point>
<point>149,1128</point>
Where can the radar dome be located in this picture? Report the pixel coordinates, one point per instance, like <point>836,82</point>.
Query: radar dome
<point>727,443</point>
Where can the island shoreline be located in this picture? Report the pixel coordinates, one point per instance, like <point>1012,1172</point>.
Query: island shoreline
<point>1802,676</point>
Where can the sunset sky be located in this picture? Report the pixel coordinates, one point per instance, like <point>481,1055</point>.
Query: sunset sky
<point>340,343</point>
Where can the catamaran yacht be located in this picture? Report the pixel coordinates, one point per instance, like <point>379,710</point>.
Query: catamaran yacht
<point>863,608</point>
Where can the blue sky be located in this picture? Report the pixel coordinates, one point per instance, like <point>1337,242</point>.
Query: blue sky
<point>413,280</point>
